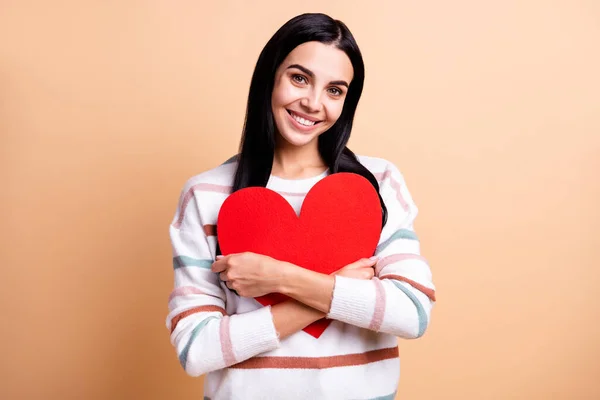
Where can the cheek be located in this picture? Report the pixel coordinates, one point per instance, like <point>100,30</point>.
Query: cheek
<point>283,95</point>
<point>334,110</point>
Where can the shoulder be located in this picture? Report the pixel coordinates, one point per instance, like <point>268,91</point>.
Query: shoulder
<point>219,177</point>
<point>391,181</point>
<point>203,193</point>
<point>212,185</point>
<point>381,168</point>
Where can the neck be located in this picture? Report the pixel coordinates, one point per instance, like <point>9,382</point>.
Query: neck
<point>297,162</point>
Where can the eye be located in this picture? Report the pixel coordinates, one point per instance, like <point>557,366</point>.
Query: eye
<point>298,78</point>
<point>335,91</point>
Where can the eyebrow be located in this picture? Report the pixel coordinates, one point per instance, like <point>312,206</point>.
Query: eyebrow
<point>312,74</point>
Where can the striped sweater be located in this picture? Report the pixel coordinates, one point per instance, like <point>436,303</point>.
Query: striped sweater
<point>233,340</point>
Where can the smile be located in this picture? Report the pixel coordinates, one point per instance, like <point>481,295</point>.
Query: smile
<point>303,121</point>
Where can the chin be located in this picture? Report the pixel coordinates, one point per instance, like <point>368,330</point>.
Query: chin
<point>298,139</point>
<point>297,142</point>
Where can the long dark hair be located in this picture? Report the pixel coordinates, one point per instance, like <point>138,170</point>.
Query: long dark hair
<point>257,145</point>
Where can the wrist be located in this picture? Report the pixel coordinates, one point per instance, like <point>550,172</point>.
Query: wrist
<point>290,276</point>
<point>308,287</point>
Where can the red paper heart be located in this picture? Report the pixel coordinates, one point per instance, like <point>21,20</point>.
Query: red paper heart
<point>339,223</point>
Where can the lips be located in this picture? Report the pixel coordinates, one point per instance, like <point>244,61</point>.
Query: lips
<point>301,119</point>
<point>302,116</point>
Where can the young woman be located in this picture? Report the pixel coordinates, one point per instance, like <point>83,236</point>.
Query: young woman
<point>303,96</point>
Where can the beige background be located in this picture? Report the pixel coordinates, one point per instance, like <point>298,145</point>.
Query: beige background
<point>490,109</point>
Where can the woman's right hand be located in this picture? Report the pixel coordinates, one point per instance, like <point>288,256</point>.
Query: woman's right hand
<point>361,269</point>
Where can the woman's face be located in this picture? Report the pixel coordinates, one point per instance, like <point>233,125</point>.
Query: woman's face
<point>309,91</point>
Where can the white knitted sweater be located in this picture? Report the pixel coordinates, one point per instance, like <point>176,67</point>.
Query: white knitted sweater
<point>233,340</point>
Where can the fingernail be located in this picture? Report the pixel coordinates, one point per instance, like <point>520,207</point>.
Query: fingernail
<point>219,257</point>
<point>374,258</point>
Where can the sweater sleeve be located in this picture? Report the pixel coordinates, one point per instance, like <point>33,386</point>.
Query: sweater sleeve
<point>203,335</point>
<point>399,299</point>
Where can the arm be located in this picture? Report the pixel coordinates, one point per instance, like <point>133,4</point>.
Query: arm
<point>204,336</point>
<point>399,300</point>
<point>294,315</point>
<point>252,275</point>
<point>315,289</point>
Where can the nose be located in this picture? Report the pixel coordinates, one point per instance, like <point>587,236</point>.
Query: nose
<point>311,102</point>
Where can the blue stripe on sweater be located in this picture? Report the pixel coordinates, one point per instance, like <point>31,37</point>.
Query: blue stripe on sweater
<point>388,397</point>
<point>184,353</point>
<point>420,310</point>
<point>185,261</point>
<point>399,234</point>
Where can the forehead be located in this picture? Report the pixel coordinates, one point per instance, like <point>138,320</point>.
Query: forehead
<point>326,61</point>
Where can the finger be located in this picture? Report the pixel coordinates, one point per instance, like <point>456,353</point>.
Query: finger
<point>223,276</point>
<point>354,266</point>
<point>222,256</point>
<point>373,260</point>
<point>219,266</point>
<point>363,262</point>
<point>366,262</point>
<point>229,285</point>
<point>370,262</point>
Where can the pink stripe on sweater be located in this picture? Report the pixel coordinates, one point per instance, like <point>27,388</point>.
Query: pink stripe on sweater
<point>384,262</point>
<point>206,187</point>
<point>424,289</point>
<point>175,320</point>
<point>379,312</point>
<point>380,176</point>
<point>226,346</point>
<point>184,291</point>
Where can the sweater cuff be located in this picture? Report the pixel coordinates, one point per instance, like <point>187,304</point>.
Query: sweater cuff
<point>253,333</point>
<point>353,301</point>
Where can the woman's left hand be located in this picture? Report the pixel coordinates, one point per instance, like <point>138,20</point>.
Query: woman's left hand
<point>249,274</point>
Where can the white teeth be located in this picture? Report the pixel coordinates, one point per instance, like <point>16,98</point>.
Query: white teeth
<point>303,121</point>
